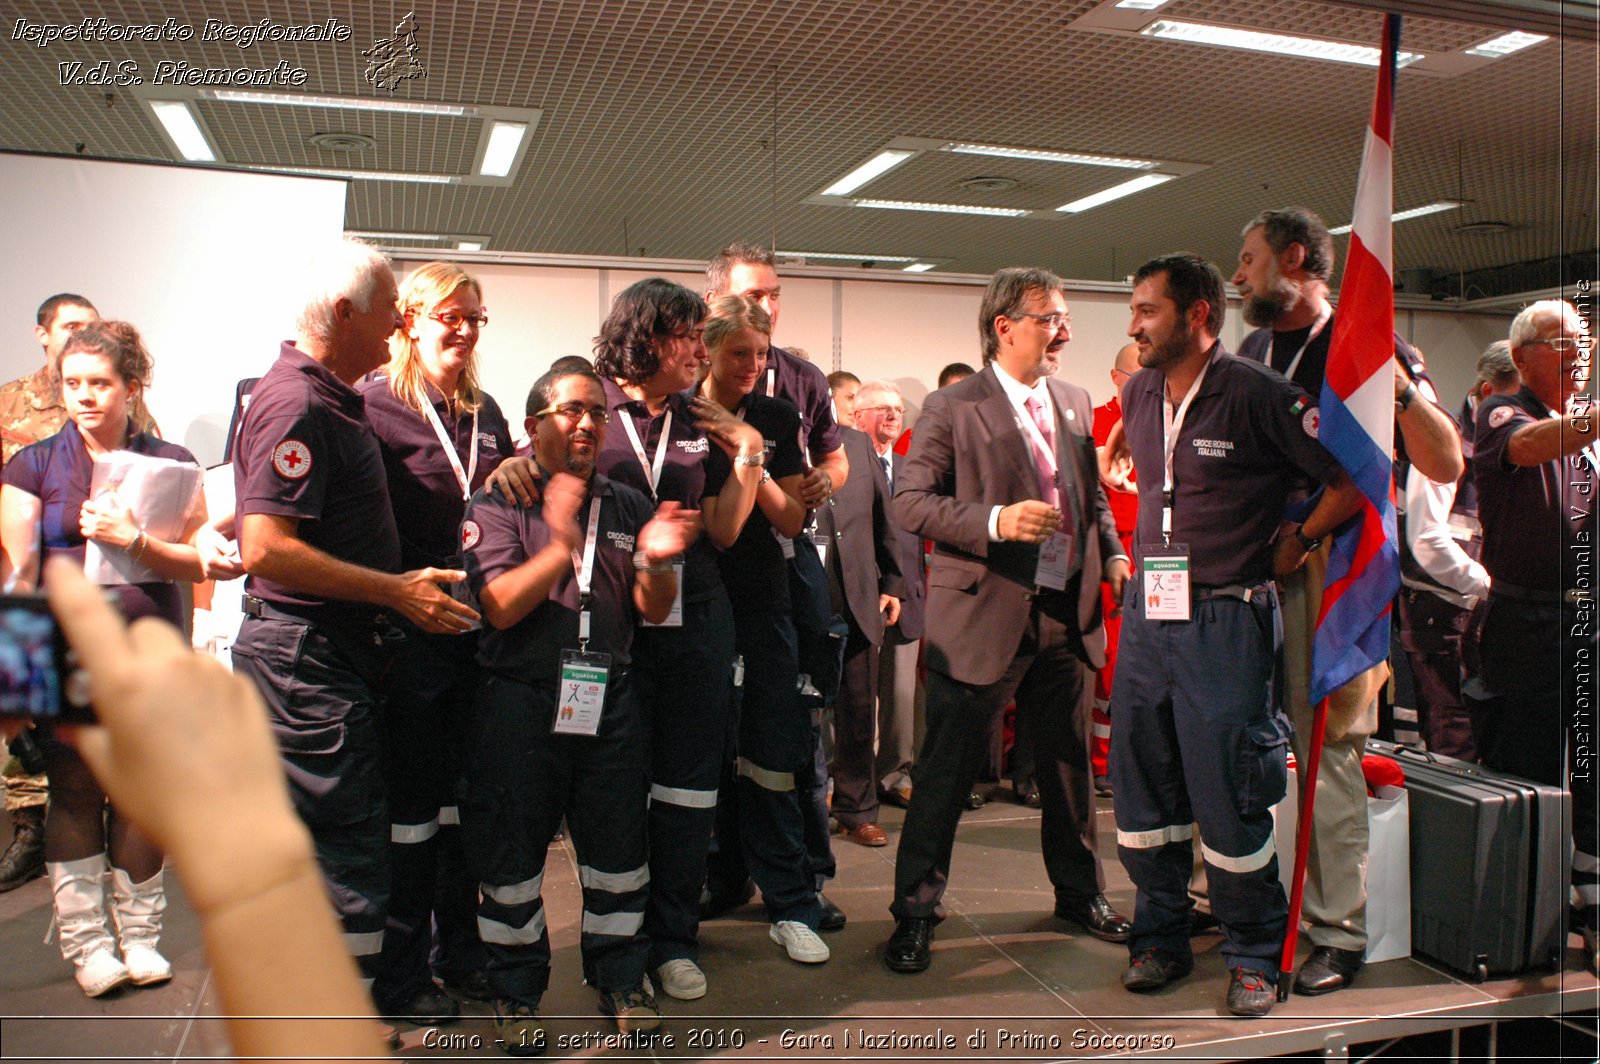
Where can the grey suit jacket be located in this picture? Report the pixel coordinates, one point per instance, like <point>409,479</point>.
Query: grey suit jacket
<point>862,560</point>
<point>969,455</point>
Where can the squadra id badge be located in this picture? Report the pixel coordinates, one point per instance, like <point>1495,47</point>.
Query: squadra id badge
<point>581,692</point>
<point>1164,576</point>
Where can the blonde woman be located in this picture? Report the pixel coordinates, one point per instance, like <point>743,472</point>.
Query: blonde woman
<point>441,435</point>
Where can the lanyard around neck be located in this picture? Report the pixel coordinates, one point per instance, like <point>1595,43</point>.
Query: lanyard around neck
<point>463,476</point>
<point>1171,429</point>
<point>583,566</point>
<point>652,470</point>
<point>1316,330</point>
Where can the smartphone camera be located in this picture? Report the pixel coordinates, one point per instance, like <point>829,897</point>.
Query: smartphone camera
<point>35,671</point>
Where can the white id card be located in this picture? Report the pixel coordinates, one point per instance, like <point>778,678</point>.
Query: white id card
<point>675,618</point>
<point>1053,556</point>
<point>1166,583</point>
<point>822,554</point>
<point>581,692</point>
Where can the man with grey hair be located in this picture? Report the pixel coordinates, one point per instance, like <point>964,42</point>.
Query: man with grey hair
<point>1285,265</point>
<point>1442,578</point>
<point>880,412</point>
<point>1537,473</point>
<point>318,540</point>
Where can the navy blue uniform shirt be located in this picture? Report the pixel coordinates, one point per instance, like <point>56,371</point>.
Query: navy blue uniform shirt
<point>1533,516</point>
<point>1277,350</point>
<point>805,387</point>
<point>1248,439</point>
<point>497,536</point>
<point>305,450</point>
<point>754,566</point>
<point>57,471</point>
<point>683,471</point>
<point>423,489</point>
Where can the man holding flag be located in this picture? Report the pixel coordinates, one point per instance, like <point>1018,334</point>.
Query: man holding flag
<point>1284,269</point>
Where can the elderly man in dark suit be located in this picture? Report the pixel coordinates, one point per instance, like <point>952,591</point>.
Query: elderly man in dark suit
<point>880,413</point>
<point>1002,477</point>
<point>863,566</point>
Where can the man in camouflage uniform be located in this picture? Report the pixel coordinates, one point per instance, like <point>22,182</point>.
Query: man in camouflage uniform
<point>31,409</point>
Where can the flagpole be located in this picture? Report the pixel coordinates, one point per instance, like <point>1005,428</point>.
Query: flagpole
<point>1302,847</point>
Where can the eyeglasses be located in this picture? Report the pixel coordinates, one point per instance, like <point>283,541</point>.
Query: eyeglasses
<point>1557,343</point>
<point>1049,321</point>
<point>886,411</point>
<point>574,412</point>
<point>451,320</point>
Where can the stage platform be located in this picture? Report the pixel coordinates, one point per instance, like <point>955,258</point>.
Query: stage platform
<point>1008,982</point>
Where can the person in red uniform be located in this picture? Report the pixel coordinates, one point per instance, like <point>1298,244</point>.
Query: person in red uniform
<point>1122,494</point>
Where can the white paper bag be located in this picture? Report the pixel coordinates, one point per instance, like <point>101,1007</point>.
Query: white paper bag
<point>1388,865</point>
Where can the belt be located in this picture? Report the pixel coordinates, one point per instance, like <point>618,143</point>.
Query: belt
<point>1571,596</point>
<point>1233,591</point>
<point>325,616</point>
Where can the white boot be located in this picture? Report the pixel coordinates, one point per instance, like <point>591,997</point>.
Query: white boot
<point>138,911</point>
<point>79,888</point>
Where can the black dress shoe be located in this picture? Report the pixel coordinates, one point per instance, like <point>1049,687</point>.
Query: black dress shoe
<point>1250,993</point>
<point>1096,916</point>
<point>833,917</point>
<point>908,949</point>
<point>428,1007</point>
<point>975,800</point>
<point>1153,969</point>
<point>721,900</point>
<point>1326,970</point>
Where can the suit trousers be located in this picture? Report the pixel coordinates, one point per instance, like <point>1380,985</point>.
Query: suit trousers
<point>900,709</point>
<point>1051,685</point>
<point>855,792</point>
<point>1334,903</point>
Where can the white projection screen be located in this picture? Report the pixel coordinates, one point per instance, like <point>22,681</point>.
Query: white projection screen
<point>206,263</point>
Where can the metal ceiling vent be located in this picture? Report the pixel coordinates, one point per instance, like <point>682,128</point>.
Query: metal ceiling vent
<point>345,142</point>
<point>989,184</point>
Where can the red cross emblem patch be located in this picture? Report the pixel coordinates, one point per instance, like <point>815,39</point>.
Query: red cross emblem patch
<point>292,459</point>
<point>470,534</point>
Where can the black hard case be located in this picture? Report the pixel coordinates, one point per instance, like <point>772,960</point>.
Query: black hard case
<point>1491,864</point>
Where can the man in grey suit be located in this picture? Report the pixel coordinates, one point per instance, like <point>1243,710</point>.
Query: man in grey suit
<point>880,413</point>
<point>1002,477</point>
<point>863,566</point>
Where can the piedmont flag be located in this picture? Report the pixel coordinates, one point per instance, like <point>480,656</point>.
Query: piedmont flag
<point>1358,415</point>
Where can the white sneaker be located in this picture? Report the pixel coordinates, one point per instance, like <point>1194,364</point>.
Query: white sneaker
<point>799,941</point>
<point>682,978</point>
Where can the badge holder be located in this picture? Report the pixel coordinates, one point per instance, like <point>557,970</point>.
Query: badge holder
<point>1164,575</point>
<point>1055,556</point>
<point>581,690</point>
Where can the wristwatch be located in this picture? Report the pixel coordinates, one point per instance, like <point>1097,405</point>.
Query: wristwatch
<point>757,459</point>
<point>641,563</point>
<point>1307,544</point>
<point>1404,399</point>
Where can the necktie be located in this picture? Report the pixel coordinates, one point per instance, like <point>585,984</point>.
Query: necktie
<point>1043,466</point>
<point>888,472</point>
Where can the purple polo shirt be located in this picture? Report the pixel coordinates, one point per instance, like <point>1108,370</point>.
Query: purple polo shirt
<point>754,567</point>
<point>497,536</point>
<point>305,450</point>
<point>805,387</point>
<point>1533,516</point>
<point>423,489</point>
<point>683,471</point>
<point>1246,442</point>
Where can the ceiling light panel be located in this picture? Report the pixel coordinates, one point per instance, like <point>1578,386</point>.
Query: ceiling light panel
<point>873,168</point>
<point>503,148</point>
<point>1272,43</point>
<point>941,208</point>
<point>183,128</point>
<point>1506,43</point>
<point>1047,156</point>
<point>1406,215</point>
<point>1115,192</point>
